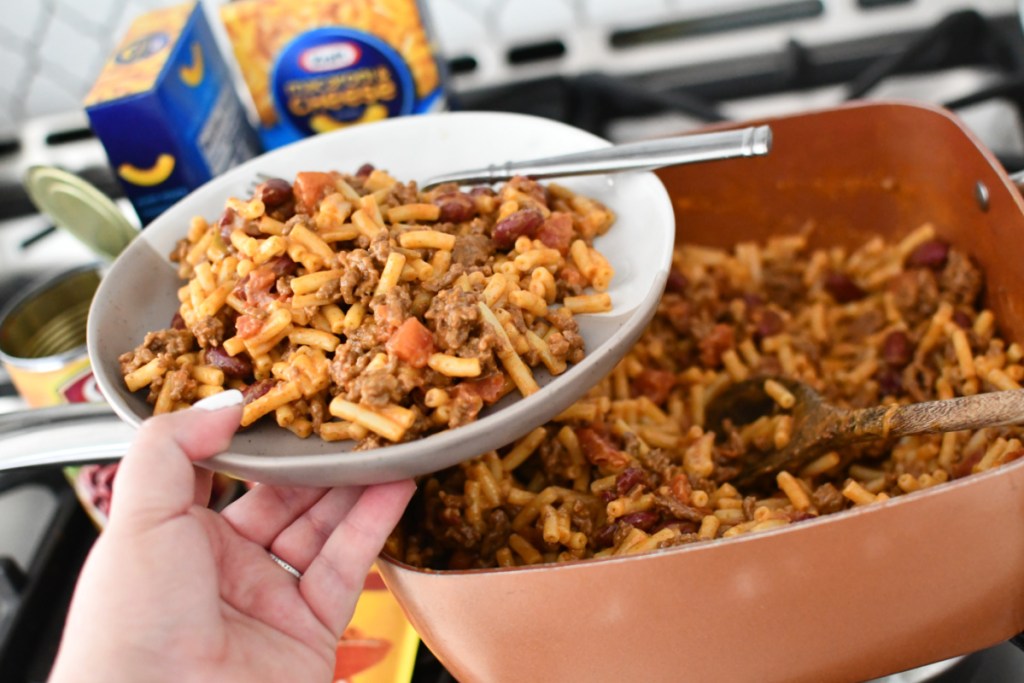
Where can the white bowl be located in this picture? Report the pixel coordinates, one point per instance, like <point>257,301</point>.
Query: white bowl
<point>138,294</point>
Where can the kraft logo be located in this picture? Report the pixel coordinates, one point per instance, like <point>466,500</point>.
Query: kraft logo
<point>83,389</point>
<point>330,57</point>
<point>146,46</point>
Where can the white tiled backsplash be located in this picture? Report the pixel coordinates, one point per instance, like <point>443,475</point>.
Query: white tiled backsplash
<point>52,50</point>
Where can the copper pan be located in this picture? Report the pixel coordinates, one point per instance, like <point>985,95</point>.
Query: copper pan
<point>861,594</point>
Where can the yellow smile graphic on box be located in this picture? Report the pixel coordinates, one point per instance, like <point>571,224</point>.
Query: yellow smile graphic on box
<point>147,177</point>
<point>192,75</point>
<point>322,123</point>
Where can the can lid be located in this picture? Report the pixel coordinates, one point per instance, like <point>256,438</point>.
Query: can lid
<point>78,207</point>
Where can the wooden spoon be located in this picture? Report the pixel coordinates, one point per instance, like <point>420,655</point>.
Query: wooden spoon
<point>820,427</point>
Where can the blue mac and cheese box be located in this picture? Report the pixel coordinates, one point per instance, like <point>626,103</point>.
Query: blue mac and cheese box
<point>166,111</point>
<point>319,65</point>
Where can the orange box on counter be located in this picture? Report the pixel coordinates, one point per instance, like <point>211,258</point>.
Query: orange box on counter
<point>321,65</point>
<point>166,110</point>
<point>379,645</point>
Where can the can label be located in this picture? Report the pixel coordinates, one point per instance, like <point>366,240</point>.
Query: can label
<point>42,344</point>
<point>72,383</point>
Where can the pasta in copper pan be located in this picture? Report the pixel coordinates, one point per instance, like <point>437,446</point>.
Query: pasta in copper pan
<point>629,468</point>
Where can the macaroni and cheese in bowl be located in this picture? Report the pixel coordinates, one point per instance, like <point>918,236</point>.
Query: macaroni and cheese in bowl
<point>362,313</point>
<point>611,543</point>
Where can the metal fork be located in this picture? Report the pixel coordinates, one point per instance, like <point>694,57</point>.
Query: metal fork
<point>635,156</point>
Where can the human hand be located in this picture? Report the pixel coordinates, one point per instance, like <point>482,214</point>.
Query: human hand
<point>175,591</point>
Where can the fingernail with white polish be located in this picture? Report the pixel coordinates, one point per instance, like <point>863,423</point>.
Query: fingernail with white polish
<point>223,399</point>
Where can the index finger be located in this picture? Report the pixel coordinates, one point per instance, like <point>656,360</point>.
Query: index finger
<point>156,479</point>
<point>333,581</point>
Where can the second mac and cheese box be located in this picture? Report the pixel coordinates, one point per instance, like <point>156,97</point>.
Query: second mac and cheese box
<point>166,110</point>
<point>320,65</point>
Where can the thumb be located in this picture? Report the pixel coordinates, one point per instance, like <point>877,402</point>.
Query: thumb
<point>156,479</point>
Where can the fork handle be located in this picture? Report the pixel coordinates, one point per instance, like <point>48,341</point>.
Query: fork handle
<point>636,156</point>
<point>931,417</point>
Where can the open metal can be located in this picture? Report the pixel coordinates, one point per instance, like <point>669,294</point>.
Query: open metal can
<point>42,340</point>
<point>42,347</point>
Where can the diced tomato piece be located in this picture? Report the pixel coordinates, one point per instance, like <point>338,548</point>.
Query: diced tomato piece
<point>310,187</point>
<point>258,284</point>
<point>556,231</point>
<point>599,450</point>
<point>654,384</point>
<point>248,326</point>
<point>412,343</point>
<point>489,388</point>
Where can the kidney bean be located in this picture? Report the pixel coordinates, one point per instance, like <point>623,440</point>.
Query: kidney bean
<point>273,192</point>
<point>281,265</point>
<point>752,301</point>
<point>627,479</point>
<point>456,207</point>
<point>233,366</point>
<point>931,254</point>
<point>177,322</point>
<point>801,516</point>
<point>605,536</point>
<point>257,389</point>
<point>641,520</point>
<point>522,222</point>
<point>768,323</point>
<point>679,527</point>
<point>230,221</point>
<point>677,282</point>
<point>962,320</point>
<point>365,170</point>
<point>227,222</point>
<point>966,466</point>
<point>897,350</point>
<point>890,381</point>
<point>681,488</point>
<point>842,288</point>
